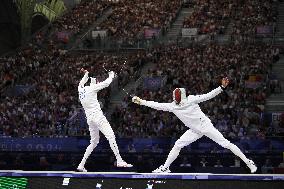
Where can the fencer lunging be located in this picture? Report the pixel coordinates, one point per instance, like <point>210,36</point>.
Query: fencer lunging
<point>189,112</point>
<point>95,118</point>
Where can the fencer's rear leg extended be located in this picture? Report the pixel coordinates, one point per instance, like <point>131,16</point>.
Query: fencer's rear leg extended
<point>217,137</point>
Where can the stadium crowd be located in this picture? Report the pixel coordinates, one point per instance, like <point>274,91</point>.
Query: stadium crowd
<point>213,17</point>
<point>52,100</point>
<point>251,14</point>
<point>51,75</point>
<point>129,17</point>
<point>210,16</point>
<point>53,95</point>
<point>81,16</point>
<point>49,107</point>
<point>45,47</point>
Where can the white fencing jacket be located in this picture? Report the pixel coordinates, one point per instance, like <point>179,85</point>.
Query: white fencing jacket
<point>188,111</point>
<point>88,96</point>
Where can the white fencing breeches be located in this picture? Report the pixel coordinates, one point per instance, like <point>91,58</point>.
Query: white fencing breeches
<point>94,127</point>
<point>208,130</point>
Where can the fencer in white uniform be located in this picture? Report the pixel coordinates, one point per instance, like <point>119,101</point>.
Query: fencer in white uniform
<point>95,117</point>
<point>189,112</point>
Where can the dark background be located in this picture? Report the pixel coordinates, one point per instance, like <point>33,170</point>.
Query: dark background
<point>9,26</point>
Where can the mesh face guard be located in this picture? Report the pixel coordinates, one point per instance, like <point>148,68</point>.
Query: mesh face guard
<point>179,95</point>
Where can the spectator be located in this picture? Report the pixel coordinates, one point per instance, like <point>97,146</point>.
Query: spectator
<point>267,167</point>
<point>185,162</point>
<point>237,163</point>
<point>156,149</point>
<point>281,165</point>
<point>218,163</point>
<point>140,164</point>
<point>131,148</point>
<point>203,162</point>
<point>43,163</point>
<point>18,163</point>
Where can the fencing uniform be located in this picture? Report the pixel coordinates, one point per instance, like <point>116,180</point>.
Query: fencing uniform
<point>189,112</point>
<point>95,118</point>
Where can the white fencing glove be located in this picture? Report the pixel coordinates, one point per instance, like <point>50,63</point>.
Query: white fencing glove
<point>137,100</point>
<point>111,74</point>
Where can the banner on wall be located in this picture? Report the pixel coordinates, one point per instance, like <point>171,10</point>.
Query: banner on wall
<point>39,144</point>
<point>252,84</point>
<point>254,81</point>
<point>189,32</point>
<point>19,90</point>
<point>73,144</point>
<point>152,83</point>
<point>101,33</point>
<point>264,30</point>
<point>63,36</point>
<point>150,32</point>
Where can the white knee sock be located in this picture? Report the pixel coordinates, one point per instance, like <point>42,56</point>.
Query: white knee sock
<point>115,150</point>
<point>238,152</point>
<point>88,152</point>
<point>172,156</point>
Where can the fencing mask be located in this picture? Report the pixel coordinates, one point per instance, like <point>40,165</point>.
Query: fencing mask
<point>179,95</point>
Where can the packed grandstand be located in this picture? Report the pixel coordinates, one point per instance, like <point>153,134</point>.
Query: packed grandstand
<point>39,81</point>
